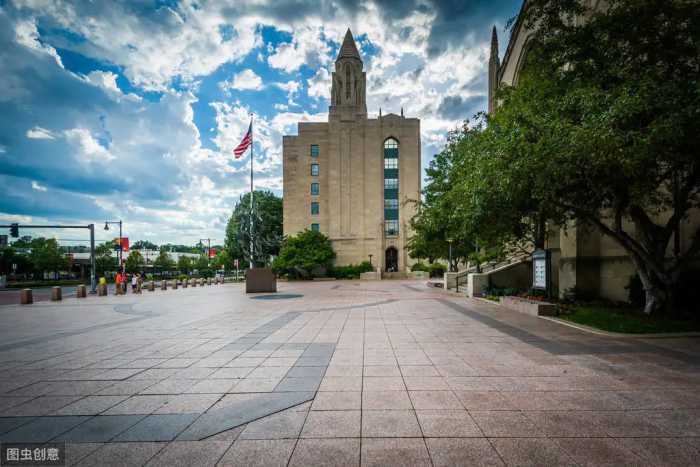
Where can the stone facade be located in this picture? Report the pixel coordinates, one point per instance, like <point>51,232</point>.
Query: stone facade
<point>353,177</point>
<point>584,261</point>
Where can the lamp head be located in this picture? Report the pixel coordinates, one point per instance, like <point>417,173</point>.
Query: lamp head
<point>106,225</point>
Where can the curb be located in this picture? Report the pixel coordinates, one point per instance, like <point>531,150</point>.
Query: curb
<point>582,327</point>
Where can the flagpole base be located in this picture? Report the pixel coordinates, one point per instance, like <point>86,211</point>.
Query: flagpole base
<point>260,280</point>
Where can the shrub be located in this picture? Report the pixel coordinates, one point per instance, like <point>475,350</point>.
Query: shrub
<point>437,270</point>
<point>303,254</point>
<point>351,271</point>
<point>420,267</point>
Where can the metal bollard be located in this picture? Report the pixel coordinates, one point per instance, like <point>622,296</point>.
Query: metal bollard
<point>151,286</point>
<point>102,290</point>
<point>56,295</point>
<point>25,297</point>
<point>81,291</point>
<point>163,284</point>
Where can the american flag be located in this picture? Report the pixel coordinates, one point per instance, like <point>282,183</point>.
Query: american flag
<point>245,142</point>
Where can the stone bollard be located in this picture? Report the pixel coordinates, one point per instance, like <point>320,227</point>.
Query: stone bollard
<point>194,283</point>
<point>102,290</point>
<point>81,291</point>
<point>151,286</point>
<point>209,281</point>
<point>25,297</point>
<point>202,282</point>
<point>185,283</point>
<point>175,284</point>
<point>56,294</point>
<point>163,284</point>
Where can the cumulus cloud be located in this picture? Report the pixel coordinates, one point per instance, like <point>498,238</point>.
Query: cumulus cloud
<point>39,133</point>
<point>135,152</point>
<point>245,80</point>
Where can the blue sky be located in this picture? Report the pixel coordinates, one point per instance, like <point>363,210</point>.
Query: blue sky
<point>130,110</point>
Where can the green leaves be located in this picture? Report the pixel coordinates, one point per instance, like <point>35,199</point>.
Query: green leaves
<point>304,255</point>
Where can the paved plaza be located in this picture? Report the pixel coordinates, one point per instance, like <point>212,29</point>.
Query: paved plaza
<point>338,373</point>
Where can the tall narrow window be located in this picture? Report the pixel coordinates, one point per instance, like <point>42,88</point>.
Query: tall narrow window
<point>314,208</point>
<point>315,189</point>
<point>391,187</point>
<point>347,82</point>
<point>314,150</point>
<point>314,169</point>
<point>316,227</point>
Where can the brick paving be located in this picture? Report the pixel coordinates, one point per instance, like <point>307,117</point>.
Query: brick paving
<point>338,373</point>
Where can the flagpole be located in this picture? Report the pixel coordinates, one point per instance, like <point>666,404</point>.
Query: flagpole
<point>252,252</point>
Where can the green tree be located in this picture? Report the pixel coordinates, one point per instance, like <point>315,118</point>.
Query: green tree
<point>134,262</point>
<point>144,245</point>
<point>46,256</point>
<point>267,228</point>
<point>304,255</point>
<point>104,261</point>
<point>184,264</point>
<point>600,130</point>
<point>163,261</point>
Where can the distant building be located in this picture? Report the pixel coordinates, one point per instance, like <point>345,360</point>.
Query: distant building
<point>352,177</point>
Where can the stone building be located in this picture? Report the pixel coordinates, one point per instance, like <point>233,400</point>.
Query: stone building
<point>353,177</point>
<point>583,259</point>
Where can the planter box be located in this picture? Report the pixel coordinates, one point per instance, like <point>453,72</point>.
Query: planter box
<point>529,307</point>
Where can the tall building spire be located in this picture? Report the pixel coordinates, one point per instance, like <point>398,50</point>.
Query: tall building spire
<point>494,65</point>
<point>348,83</point>
<point>348,49</point>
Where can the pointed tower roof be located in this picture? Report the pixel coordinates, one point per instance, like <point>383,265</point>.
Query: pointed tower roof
<point>348,49</point>
<point>494,43</point>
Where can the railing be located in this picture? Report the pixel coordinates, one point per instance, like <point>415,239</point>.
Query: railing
<point>463,276</point>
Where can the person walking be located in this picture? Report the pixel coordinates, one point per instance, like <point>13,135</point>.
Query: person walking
<point>134,282</point>
<point>118,282</point>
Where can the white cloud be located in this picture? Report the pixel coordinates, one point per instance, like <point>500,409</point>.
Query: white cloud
<point>308,47</point>
<point>40,133</point>
<point>37,187</point>
<point>320,84</point>
<point>245,80</point>
<point>88,148</point>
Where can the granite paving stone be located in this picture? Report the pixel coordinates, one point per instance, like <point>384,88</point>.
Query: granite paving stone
<point>99,429</point>
<point>157,428</point>
<point>338,452</point>
<point>120,454</point>
<point>258,453</point>
<point>347,373</point>
<point>395,451</point>
<point>41,429</point>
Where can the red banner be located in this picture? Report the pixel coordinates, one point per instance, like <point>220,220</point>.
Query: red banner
<point>212,252</point>
<point>125,243</point>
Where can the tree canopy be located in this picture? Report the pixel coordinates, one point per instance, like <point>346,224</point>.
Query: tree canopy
<point>601,129</point>
<point>267,228</point>
<point>303,255</point>
<point>134,262</point>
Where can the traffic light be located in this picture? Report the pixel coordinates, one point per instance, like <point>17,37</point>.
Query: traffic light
<point>14,230</point>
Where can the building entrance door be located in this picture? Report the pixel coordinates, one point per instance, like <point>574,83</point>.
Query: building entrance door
<point>391,259</point>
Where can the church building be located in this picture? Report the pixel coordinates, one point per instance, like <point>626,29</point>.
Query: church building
<point>353,177</point>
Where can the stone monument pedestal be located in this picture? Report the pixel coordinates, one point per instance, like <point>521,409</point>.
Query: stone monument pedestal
<point>260,280</point>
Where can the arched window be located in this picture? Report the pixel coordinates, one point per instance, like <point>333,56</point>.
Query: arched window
<point>391,187</point>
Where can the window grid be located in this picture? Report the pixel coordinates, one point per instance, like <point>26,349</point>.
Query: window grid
<point>314,208</point>
<point>314,170</point>
<point>315,188</point>
<point>316,227</point>
<point>391,187</point>
<point>315,151</point>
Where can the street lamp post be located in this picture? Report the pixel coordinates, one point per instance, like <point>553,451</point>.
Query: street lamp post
<point>208,247</point>
<point>119,222</point>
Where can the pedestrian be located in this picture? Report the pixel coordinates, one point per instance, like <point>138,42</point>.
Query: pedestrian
<point>118,281</point>
<point>134,282</point>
